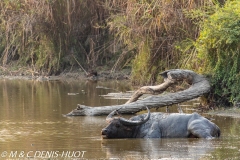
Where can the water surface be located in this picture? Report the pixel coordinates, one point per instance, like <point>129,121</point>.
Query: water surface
<point>31,123</point>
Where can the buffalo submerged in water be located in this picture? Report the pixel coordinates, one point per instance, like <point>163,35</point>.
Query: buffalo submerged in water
<point>160,125</point>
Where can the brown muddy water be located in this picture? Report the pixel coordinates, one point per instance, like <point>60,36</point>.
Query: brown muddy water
<point>32,126</point>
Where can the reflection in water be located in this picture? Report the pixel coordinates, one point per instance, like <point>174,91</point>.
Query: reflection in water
<point>157,148</point>
<point>31,120</point>
<point>31,115</point>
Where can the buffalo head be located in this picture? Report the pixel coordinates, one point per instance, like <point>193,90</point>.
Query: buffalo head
<point>120,127</point>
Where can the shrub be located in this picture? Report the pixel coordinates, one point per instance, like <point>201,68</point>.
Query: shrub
<point>151,29</point>
<point>218,48</point>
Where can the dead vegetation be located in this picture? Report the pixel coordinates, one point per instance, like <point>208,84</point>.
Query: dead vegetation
<point>50,36</point>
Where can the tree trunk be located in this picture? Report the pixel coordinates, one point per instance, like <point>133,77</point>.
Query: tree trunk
<point>199,86</point>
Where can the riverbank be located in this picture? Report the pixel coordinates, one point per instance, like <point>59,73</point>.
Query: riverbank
<point>103,75</point>
<point>229,112</point>
<point>66,75</point>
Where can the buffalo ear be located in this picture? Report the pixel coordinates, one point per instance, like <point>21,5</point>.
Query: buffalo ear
<point>119,116</point>
<point>109,118</point>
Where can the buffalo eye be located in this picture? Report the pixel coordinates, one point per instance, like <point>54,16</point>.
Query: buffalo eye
<point>117,125</point>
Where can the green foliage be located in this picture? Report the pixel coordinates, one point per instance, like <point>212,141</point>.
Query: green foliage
<point>218,48</point>
<point>151,29</point>
<point>140,68</point>
<point>187,47</point>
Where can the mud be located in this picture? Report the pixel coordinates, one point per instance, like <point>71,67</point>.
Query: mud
<point>66,75</point>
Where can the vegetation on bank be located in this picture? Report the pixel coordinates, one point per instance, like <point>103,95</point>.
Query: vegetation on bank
<point>218,52</point>
<point>49,35</point>
<point>149,37</point>
<point>150,31</point>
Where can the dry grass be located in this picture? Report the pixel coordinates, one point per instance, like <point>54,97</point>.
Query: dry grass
<point>153,28</point>
<point>47,34</point>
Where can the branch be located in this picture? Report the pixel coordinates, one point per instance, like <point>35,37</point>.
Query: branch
<point>199,86</point>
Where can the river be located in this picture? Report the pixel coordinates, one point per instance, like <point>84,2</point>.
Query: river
<point>32,126</point>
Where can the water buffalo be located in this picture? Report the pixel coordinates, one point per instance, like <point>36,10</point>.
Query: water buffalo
<point>160,125</point>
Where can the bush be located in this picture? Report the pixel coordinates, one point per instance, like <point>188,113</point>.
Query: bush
<point>218,48</point>
<point>151,29</point>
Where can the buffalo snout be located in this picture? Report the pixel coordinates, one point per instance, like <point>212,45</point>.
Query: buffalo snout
<point>104,133</point>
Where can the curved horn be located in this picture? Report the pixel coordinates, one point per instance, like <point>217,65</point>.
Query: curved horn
<point>134,123</point>
<point>109,117</point>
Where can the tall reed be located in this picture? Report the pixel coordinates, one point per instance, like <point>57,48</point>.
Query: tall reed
<point>50,35</point>
<point>152,29</point>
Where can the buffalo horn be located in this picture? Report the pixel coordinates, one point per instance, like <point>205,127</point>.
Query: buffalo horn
<point>134,123</point>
